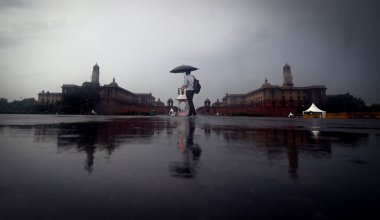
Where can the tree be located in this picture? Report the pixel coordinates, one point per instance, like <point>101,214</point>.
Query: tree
<point>374,108</point>
<point>81,101</point>
<point>90,94</point>
<point>25,106</point>
<point>4,106</point>
<point>344,103</point>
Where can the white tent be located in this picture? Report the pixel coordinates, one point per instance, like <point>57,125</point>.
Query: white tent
<point>314,110</point>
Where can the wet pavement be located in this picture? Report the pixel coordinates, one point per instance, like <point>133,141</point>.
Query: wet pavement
<point>117,167</point>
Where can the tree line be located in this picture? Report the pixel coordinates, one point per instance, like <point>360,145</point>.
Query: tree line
<point>82,101</point>
<point>348,103</point>
<point>25,106</point>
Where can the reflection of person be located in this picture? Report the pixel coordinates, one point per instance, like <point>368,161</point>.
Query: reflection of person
<point>90,150</point>
<point>189,85</point>
<point>193,147</point>
<point>191,152</point>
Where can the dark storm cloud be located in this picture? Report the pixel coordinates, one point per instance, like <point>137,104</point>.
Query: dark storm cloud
<point>348,24</point>
<point>8,41</point>
<point>14,34</point>
<point>23,32</point>
<point>10,4</point>
<point>332,43</point>
<point>338,41</point>
<point>19,33</point>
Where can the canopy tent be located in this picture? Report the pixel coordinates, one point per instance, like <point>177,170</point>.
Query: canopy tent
<point>314,110</point>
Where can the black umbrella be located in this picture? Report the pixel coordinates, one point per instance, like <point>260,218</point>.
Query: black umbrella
<point>183,69</point>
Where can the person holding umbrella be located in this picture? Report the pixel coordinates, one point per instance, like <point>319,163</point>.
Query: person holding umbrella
<point>189,86</point>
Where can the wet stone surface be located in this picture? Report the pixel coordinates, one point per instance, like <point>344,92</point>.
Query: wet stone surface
<point>114,167</point>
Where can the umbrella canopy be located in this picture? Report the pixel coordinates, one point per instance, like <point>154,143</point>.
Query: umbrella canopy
<point>183,69</point>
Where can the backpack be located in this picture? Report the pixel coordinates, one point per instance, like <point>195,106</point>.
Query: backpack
<point>196,85</point>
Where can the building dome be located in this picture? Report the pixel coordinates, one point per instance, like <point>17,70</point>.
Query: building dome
<point>207,101</point>
<point>170,100</point>
<point>266,84</point>
<point>113,83</point>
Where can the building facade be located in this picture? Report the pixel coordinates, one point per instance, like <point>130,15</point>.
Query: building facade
<point>110,98</point>
<point>272,99</point>
<point>49,97</point>
<point>113,94</point>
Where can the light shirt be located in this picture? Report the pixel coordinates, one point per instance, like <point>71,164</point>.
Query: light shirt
<point>189,82</point>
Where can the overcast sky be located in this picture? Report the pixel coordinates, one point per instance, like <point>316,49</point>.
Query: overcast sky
<point>235,44</point>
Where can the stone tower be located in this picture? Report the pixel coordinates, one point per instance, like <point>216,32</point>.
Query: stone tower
<point>207,103</point>
<point>288,79</point>
<point>95,74</point>
<point>170,102</point>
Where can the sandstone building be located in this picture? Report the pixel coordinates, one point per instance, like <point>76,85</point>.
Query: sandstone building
<point>269,100</point>
<point>110,98</point>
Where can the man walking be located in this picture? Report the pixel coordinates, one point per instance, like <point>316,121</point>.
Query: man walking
<point>189,85</point>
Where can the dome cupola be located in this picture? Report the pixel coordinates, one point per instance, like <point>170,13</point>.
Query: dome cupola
<point>113,83</point>
<point>266,84</point>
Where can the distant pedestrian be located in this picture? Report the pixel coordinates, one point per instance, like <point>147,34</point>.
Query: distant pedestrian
<point>189,85</point>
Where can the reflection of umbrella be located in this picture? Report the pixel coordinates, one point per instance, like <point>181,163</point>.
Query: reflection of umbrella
<point>183,69</point>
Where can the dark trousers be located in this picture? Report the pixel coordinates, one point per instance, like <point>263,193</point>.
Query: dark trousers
<point>189,96</point>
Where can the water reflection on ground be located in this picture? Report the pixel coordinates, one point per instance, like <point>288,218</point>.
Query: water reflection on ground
<point>190,150</point>
<point>89,137</point>
<point>290,141</point>
<point>104,167</point>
